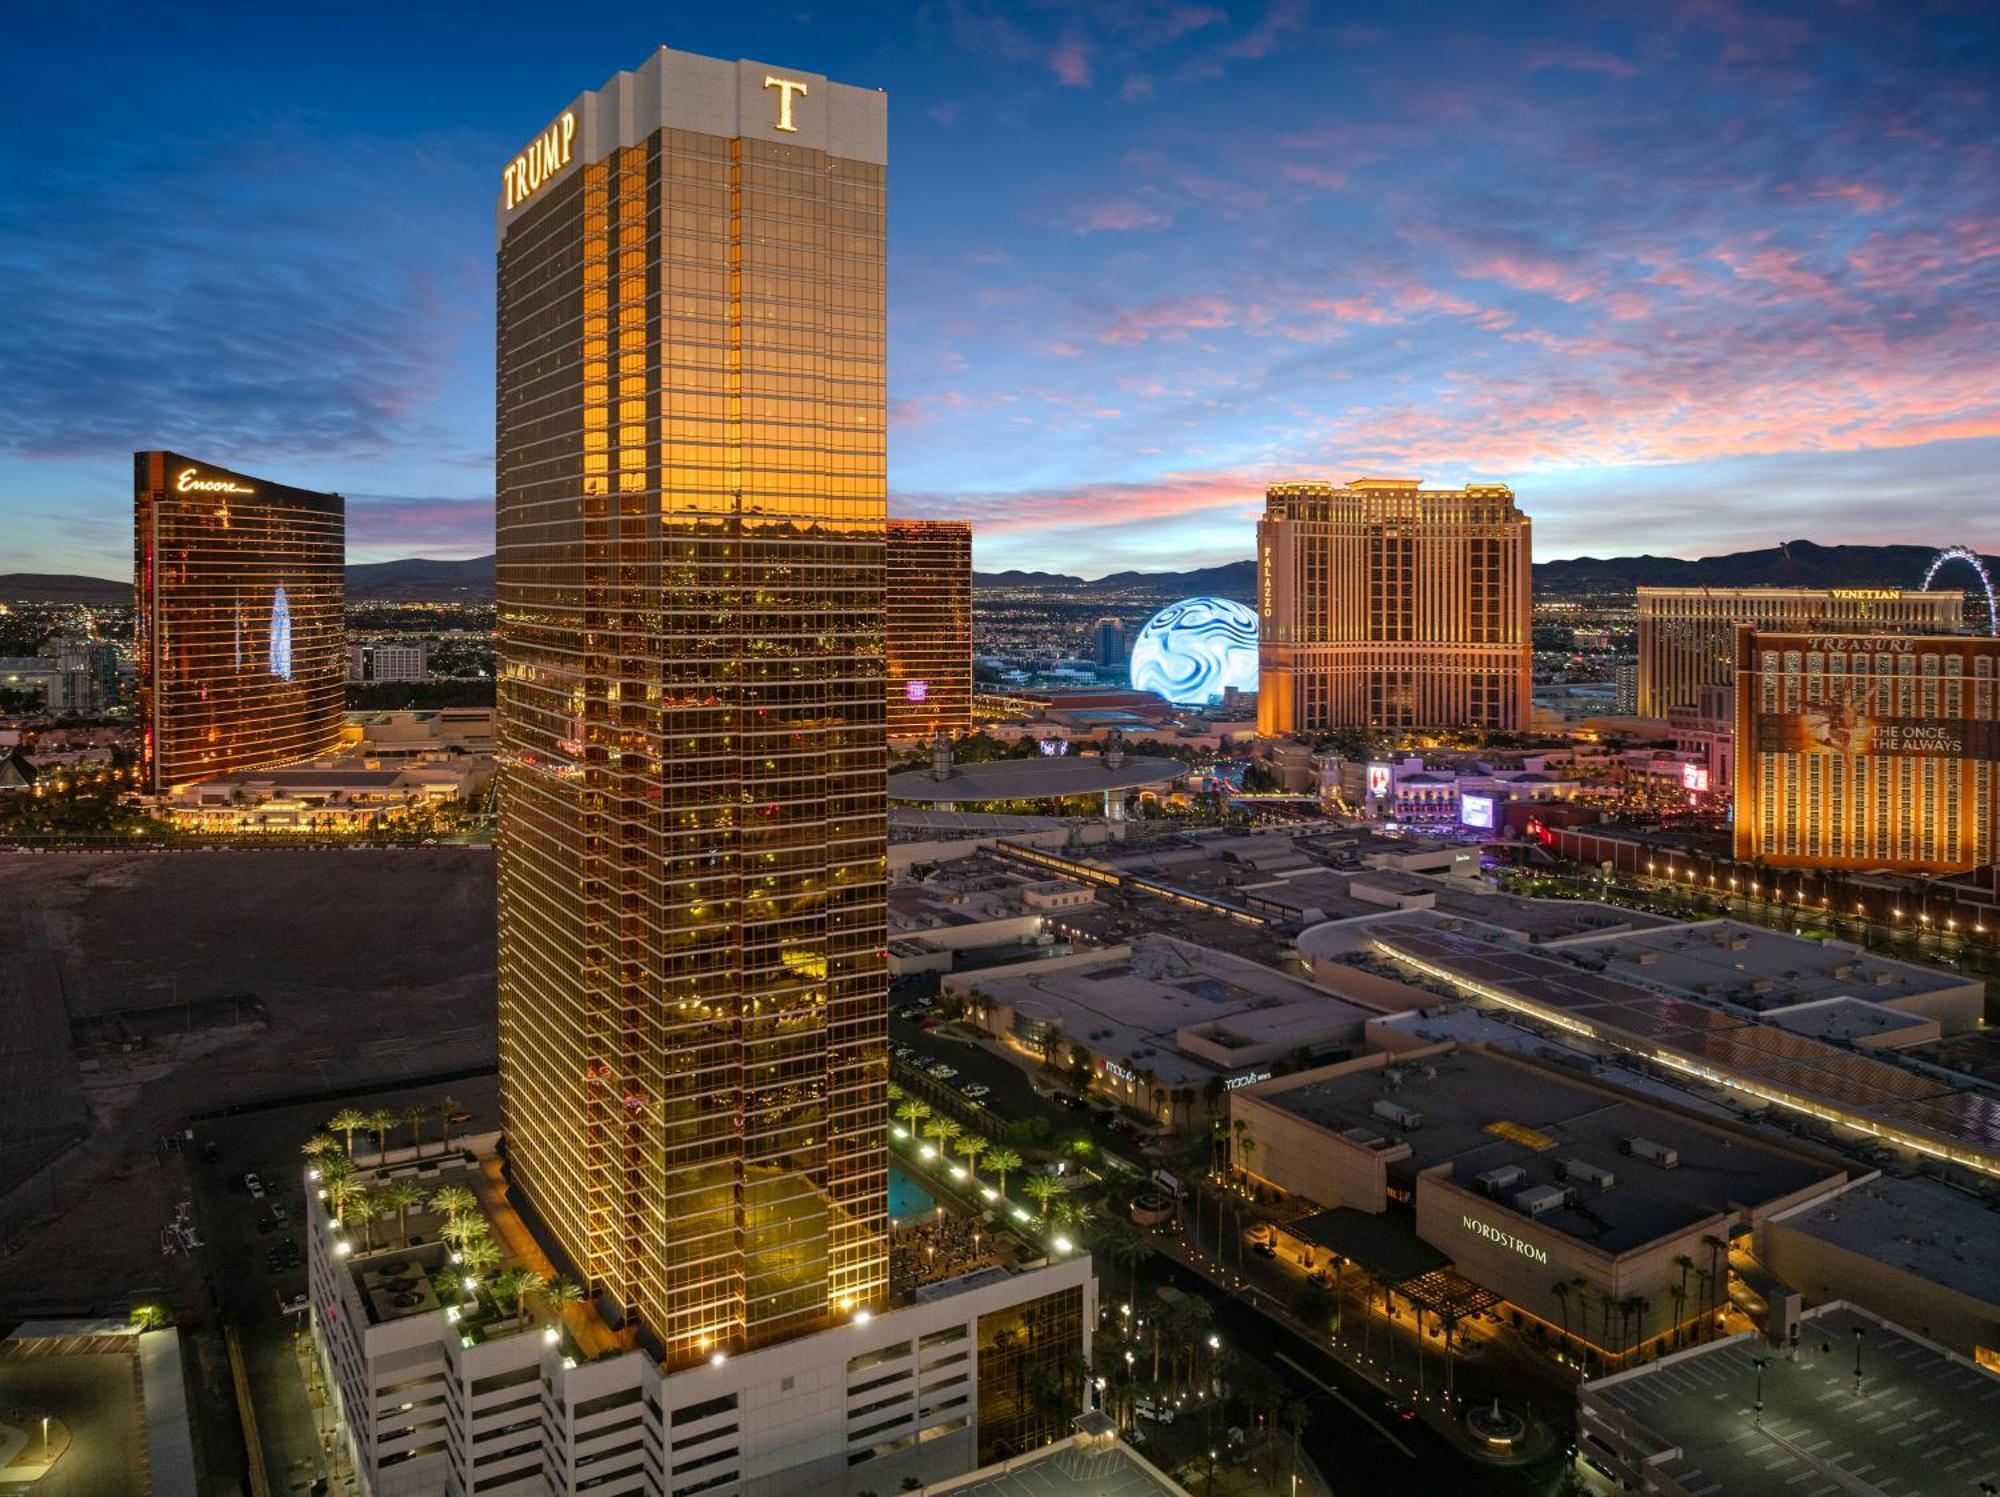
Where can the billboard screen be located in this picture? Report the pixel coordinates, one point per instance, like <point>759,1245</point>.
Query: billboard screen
<point>1837,728</point>
<point>1378,779</point>
<point>1476,810</point>
<point>1695,778</point>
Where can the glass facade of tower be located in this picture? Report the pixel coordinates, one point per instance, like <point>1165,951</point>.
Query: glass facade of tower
<point>929,627</point>
<point>691,483</point>
<point>239,628</point>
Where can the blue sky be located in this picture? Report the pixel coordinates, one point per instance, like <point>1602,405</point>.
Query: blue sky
<point>1692,276</point>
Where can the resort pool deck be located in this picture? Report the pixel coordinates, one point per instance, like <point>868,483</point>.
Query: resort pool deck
<point>907,1199</point>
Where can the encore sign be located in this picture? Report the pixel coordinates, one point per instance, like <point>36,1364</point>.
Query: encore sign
<point>190,481</point>
<point>547,154</point>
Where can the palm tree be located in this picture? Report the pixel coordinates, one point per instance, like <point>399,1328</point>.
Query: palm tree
<point>320,1148</point>
<point>382,1123</point>
<point>454,1201</point>
<point>1560,1289</point>
<point>1122,1243</point>
<point>479,1255</point>
<point>462,1231</point>
<point>1640,1305</point>
<point>1070,1212</point>
<point>415,1115</point>
<point>448,1285</point>
<point>1002,1161</point>
<point>399,1196</point>
<point>1041,1189</point>
<point>1449,1322</point>
<point>1701,1278</point>
<point>1246,1148</point>
<point>1679,1295</point>
<point>913,1112</point>
<point>943,1130</point>
<point>363,1207</point>
<point>347,1121</point>
<point>1295,1412</point>
<point>1717,1276</point>
<point>559,1294</point>
<point>1686,1265</point>
<point>521,1283</point>
<point>447,1108</point>
<point>970,1146</point>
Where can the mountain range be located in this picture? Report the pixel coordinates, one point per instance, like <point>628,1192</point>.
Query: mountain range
<point>1791,564</point>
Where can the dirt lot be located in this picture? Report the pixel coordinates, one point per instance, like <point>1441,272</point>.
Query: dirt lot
<point>137,990</point>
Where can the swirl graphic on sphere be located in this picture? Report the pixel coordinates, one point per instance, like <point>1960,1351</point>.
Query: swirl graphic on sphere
<point>1193,650</point>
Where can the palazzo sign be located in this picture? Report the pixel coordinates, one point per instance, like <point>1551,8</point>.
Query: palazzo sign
<point>1506,1239</point>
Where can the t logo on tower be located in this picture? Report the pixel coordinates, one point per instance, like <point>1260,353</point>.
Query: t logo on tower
<point>786,87</point>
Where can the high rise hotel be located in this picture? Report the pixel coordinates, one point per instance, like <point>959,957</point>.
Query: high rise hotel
<point>1384,604</point>
<point>693,1010</point>
<point>929,627</point>
<point>238,622</point>
<point>1687,635</point>
<point>693,840</point>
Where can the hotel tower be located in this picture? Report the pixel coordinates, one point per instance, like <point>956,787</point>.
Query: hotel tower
<point>693,846</point>
<point>239,629</point>
<point>693,989</point>
<point>1384,604</point>
<point>929,627</point>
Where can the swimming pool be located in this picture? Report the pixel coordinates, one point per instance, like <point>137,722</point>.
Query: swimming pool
<point>907,1198</point>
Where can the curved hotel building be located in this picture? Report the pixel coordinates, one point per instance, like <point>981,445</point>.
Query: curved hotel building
<point>1384,604</point>
<point>239,629</point>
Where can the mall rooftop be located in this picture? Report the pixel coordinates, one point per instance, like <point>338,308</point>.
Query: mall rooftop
<point>1761,969</point>
<point>1921,1226</point>
<point>1182,1011</point>
<point>1503,1127</point>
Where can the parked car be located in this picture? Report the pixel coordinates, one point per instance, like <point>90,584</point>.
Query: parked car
<point>255,1186</point>
<point>976,1091</point>
<point>944,1073</point>
<point>278,1213</point>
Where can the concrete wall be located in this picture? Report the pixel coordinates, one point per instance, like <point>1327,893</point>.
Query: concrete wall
<point>1824,1271</point>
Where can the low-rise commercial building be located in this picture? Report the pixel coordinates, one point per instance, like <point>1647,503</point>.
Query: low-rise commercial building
<point>1162,1026</point>
<point>341,797</point>
<point>1913,1250</point>
<point>1765,971</point>
<point>1604,1216</point>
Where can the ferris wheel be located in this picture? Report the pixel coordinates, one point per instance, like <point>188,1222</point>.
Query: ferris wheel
<point>1970,557</point>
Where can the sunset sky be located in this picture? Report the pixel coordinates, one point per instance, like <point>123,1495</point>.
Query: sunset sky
<point>1691,276</point>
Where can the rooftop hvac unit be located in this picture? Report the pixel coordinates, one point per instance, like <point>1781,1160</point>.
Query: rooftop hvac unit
<point>1584,1172</point>
<point>1498,1182</point>
<point>1539,1200</point>
<point>1656,1153</point>
<point>1403,1117</point>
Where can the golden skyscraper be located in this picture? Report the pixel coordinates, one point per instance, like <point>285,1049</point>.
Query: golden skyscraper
<point>691,481</point>
<point>930,627</point>
<point>1383,604</point>
<point>1863,751</point>
<point>1687,635</point>
<point>239,628</point>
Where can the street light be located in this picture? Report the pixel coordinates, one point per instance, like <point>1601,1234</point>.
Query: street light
<point>1859,1332</point>
<point>1760,1363</point>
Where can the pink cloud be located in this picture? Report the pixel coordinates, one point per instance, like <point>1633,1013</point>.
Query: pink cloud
<point>1070,62</point>
<point>1115,215</point>
<point>1168,317</point>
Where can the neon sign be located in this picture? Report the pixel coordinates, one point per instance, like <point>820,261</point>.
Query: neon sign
<point>547,154</point>
<point>190,481</point>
